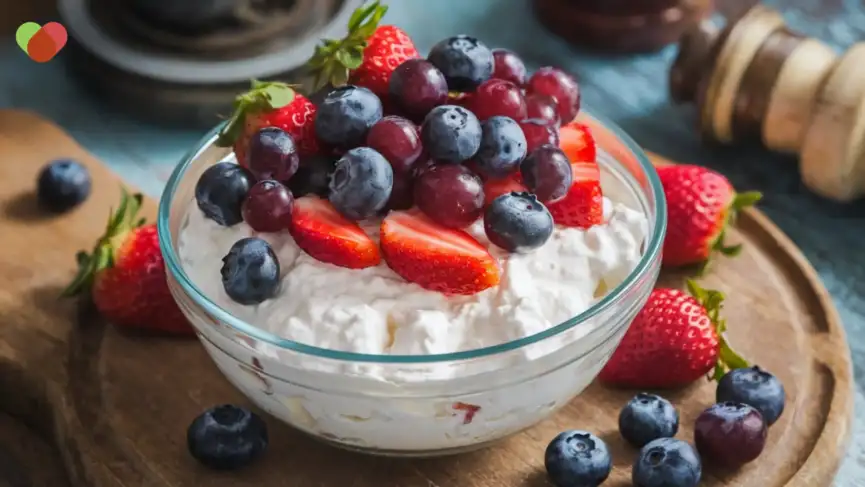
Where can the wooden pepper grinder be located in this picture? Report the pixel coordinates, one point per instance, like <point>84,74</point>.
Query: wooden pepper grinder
<point>756,79</point>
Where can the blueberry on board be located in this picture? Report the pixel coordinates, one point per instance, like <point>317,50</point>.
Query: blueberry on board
<point>250,271</point>
<point>503,147</point>
<point>465,61</point>
<point>755,387</point>
<point>345,116</point>
<point>361,183</point>
<point>667,462</point>
<point>518,222</point>
<point>63,185</point>
<point>312,177</point>
<point>220,192</point>
<point>577,458</point>
<point>226,437</point>
<point>451,133</point>
<point>648,417</point>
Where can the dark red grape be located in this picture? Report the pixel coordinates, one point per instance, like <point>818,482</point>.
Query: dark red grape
<point>402,194</point>
<point>547,172</point>
<point>272,155</point>
<point>542,107</point>
<point>730,434</point>
<point>398,140</point>
<point>559,85</point>
<point>416,87</point>
<point>538,133</point>
<point>498,97</point>
<point>267,207</point>
<point>509,67</point>
<point>450,195</point>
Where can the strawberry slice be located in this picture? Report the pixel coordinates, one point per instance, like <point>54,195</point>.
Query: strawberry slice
<point>583,206</point>
<point>497,187</point>
<point>577,142</point>
<point>329,237</point>
<point>435,257</point>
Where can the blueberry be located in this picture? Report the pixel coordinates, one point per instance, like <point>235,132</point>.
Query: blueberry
<point>451,133</point>
<point>220,192</point>
<point>63,185</point>
<point>755,387</point>
<point>312,177</point>
<point>250,271</point>
<point>465,61</point>
<point>648,417</point>
<point>577,458</point>
<point>503,147</point>
<point>346,115</point>
<point>518,222</point>
<point>361,183</point>
<point>226,437</point>
<point>667,462</point>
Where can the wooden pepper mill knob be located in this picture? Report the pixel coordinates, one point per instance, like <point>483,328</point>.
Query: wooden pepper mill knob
<point>755,79</point>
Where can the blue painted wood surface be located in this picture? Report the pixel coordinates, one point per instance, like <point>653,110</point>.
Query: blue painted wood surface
<point>630,90</point>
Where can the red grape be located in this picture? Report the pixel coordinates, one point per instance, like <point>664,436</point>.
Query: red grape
<point>402,194</point>
<point>538,133</point>
<point>559,85</point>
<point>450,195</point>
<point>542,107</point>
<point>416,86</point>
<point>268,206</point>
<point>423,163</point>
<point>272,155</point>
<point>398,140</point>
<point>547,173</point>
<point>498,97</point>
<point>509,67</point>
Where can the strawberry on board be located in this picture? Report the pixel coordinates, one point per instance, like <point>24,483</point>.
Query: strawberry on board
<point>125,275</point>
<point>366,56</point>
<point>675,339</point>
<point>270,104</point>
<point>322,232</point>
<point>583,206</point>
<point>437,258</point>
<point>577,142</point>
<point>701,206</point>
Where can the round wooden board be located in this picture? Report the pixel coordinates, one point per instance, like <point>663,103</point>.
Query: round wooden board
<point>117,406</point>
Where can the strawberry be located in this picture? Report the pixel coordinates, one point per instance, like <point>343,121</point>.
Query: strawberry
<point>583,206</point>
<point>367,56</point>
<point>494,188</point>
<point>701,205</point>
<point>270,104</point>
<point>125,275</point>
<point>675,339</point>
<point>327,236</point>
<point>435,257</point>
<point>577,142</point>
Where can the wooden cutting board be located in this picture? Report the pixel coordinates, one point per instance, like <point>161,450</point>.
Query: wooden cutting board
<point>116,406</point>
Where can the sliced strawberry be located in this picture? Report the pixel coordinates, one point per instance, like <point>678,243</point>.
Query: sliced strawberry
<point>435,257</point>
<point>329,237</point>
<point>577,142</point>
<point>497,187</point>
<point>583,206</point>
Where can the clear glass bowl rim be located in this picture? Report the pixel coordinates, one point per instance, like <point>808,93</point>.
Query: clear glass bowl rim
<point>172,262</point>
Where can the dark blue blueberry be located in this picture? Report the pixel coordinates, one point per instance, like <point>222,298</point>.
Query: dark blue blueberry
<point>755,387</point>
<point>226,437</point>
<point>220,192</point>
<point>250,271</point>
<point>465,61</point>
<point>667,462</point>
<point>346,115</point>
<point>503,147</point>
<point>361,183</point>
<point>648,417</point>
<point>451,134</point>
<point>518,222</point>
<point>577,458</point>
<point>63,185</point>
<point>312,177</point>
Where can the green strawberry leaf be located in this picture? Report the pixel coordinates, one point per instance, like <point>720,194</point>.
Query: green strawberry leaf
<point>712,301</point>
<point>263,96</point>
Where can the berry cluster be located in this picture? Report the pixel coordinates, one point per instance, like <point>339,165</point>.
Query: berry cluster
<point>727,435</point>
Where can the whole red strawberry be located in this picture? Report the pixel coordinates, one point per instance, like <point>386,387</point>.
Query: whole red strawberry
<point>675,339</point>
<point>701,205</point>
<point>125,275</point>
<point>366,56</point>
<point>270,104</point>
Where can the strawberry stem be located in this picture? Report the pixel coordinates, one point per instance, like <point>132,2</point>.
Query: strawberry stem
<point>712,301</point>
<point>739,202</point>
<point>263,96</point>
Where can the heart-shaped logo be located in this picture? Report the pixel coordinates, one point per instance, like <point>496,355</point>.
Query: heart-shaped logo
<point>41,42</point>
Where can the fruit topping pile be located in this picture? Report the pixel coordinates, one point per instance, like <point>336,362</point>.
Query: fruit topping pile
<point>427,147</point>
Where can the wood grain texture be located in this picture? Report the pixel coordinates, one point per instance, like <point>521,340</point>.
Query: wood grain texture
<point>118,405</point>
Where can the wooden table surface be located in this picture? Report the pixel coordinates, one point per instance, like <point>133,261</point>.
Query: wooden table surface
<point>630,90</point>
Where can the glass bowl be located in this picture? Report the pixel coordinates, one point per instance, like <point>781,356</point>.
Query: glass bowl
<point>421,405</point>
